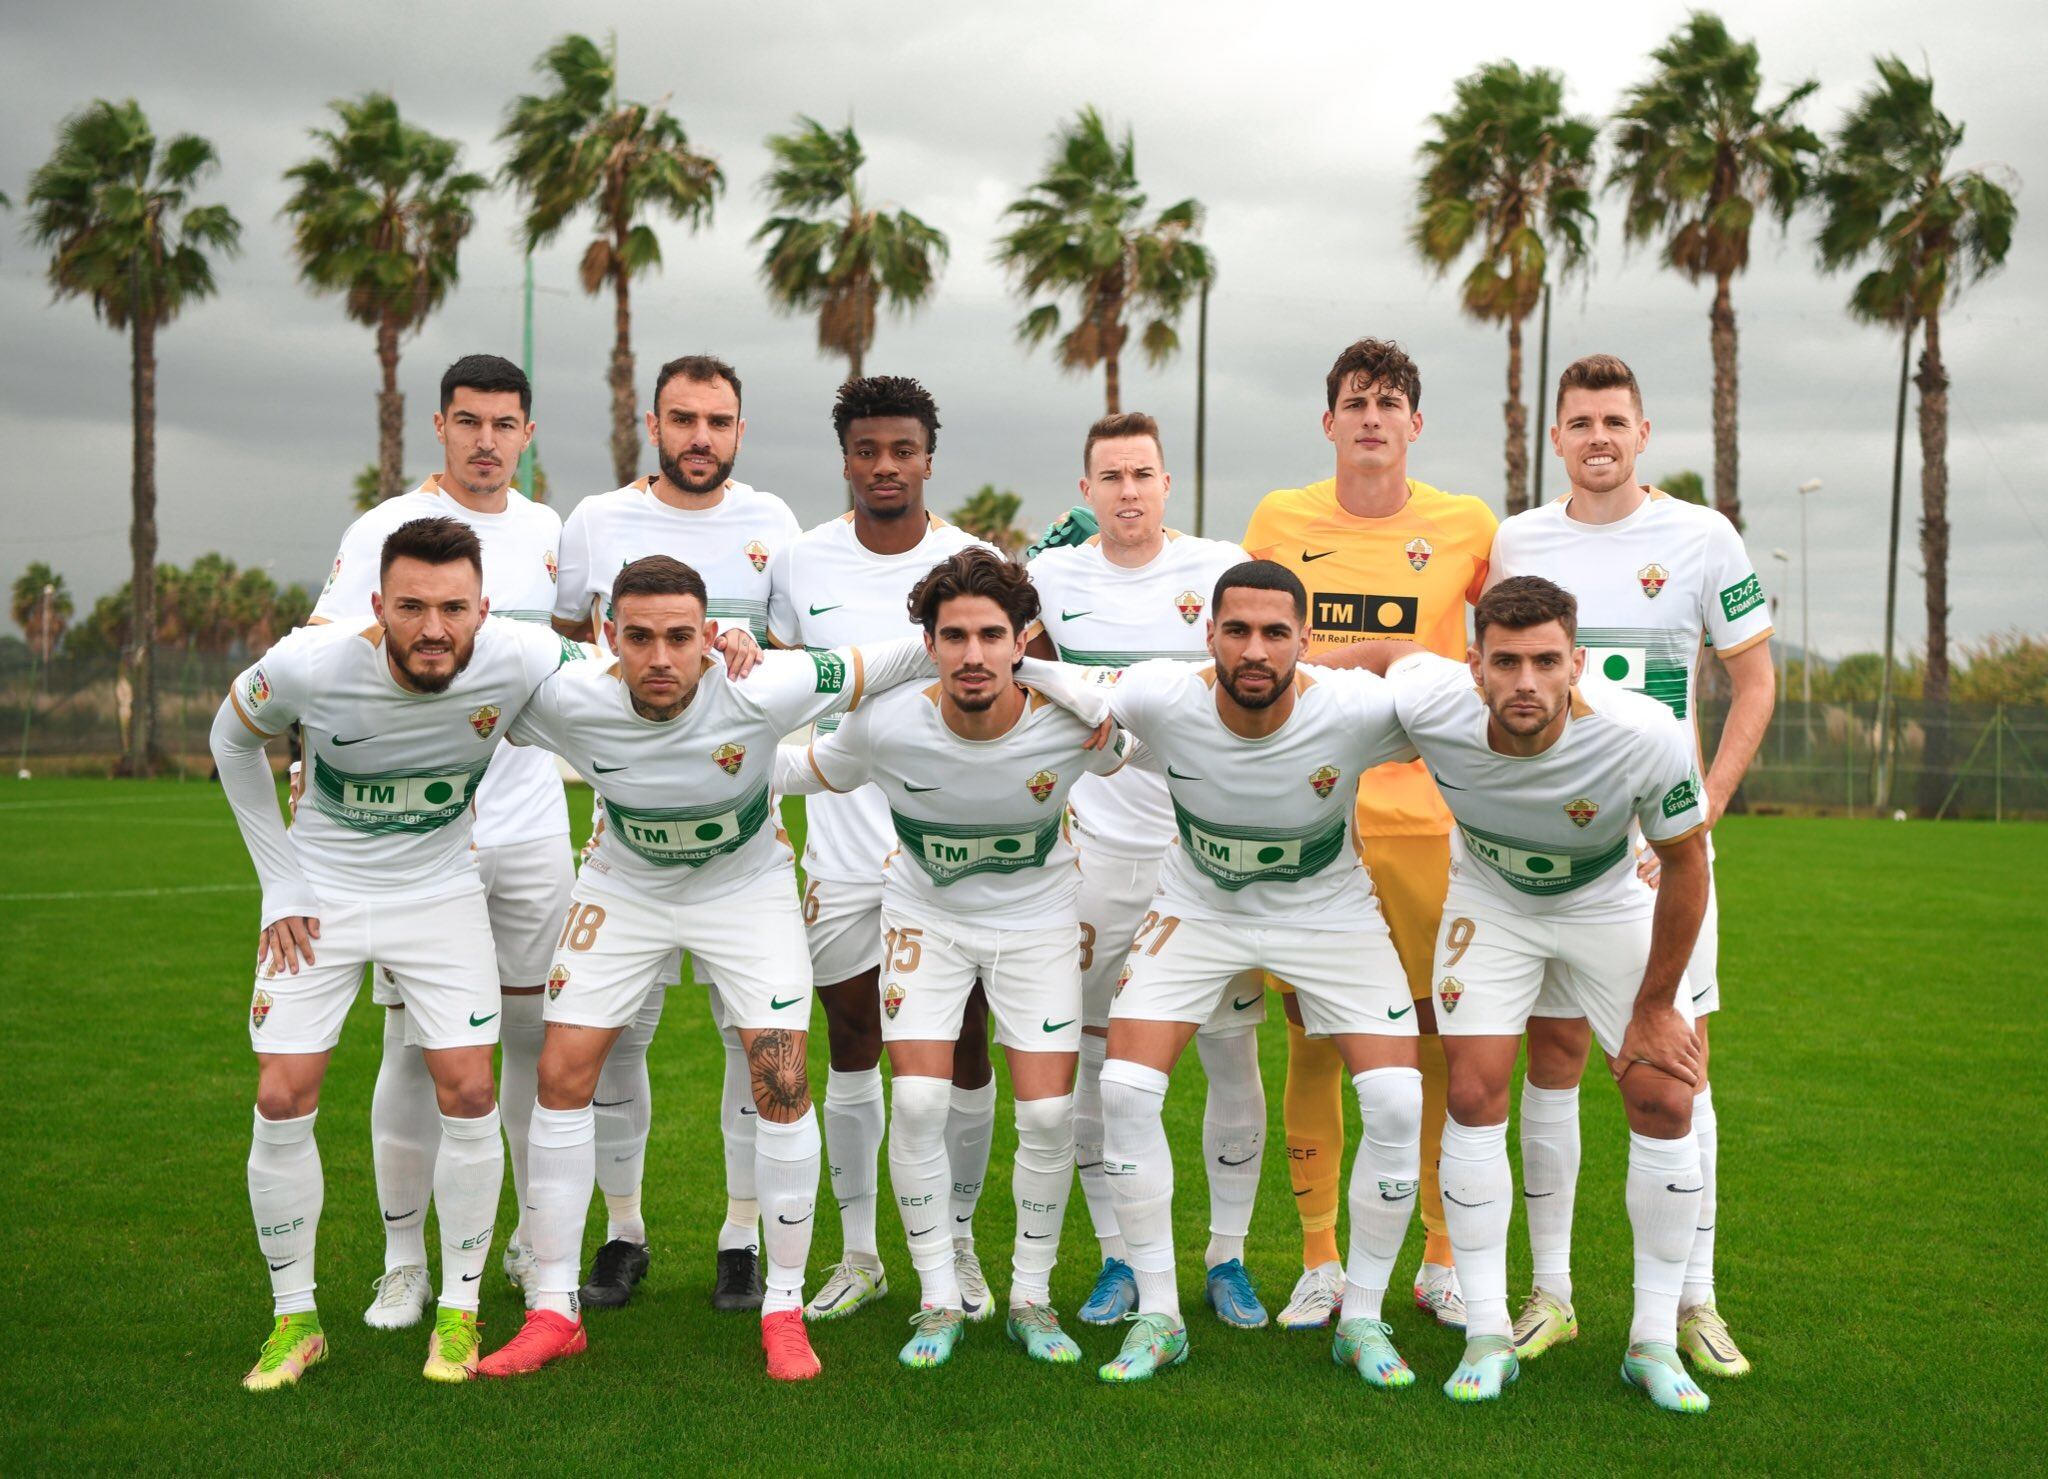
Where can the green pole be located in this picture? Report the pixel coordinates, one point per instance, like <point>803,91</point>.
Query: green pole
<point>526,364</point>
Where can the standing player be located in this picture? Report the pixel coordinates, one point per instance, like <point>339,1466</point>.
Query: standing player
<point>522,823</point>
<point>976,771</point>
<point>1261,760</point>
<point>695,511</point>
<point>400,722</point>
<point>846,581</point>
<point>1654,578</point>
<point>1139,590</point>
<point>691,857</point>
<point>1383,555</point>
<point>1547,776</point>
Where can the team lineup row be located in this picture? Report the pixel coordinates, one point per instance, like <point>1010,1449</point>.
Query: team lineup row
<point>1230,813</point>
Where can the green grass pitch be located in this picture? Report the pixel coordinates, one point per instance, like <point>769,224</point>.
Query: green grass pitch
<point>1878,1075</point>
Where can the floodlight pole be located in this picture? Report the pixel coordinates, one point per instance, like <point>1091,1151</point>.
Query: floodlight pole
<point>526,458</point>
<point>1810,486</point>
<point>1201,408</point>
<point>1880,794</point>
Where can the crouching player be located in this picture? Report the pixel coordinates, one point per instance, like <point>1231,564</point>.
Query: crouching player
<point>688,856</point>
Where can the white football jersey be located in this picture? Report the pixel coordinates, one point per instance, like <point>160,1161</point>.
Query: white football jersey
<point>1650,587</point>
<point>1264,825</point>
<point>730,544</point>
<point>979,824</point>
<point>830,590</point>
<point>1549,833</point>
<point>390,774</point>
<point>1100,614</point>
<point>520,799</point>
<point>687,802</point>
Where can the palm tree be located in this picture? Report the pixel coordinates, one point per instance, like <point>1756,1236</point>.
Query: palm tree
<point>116,209</point>
<point>1686,487</point>
<point>378,216</point>
<point>1698,158</point>
<point>42,607</point>
<point>991,514</point>
<point>1082,234</point>
<point>578,146</point>
<point>1508,176</point>
<point>1888,190</point>
<point>832,254</point>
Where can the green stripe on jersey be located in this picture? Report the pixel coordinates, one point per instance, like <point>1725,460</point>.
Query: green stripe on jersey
<point>689,836</point>
<point>513,614</point>
<point>1652,660</point>
<point>1535,869</point>
<point>950,851</point>
<point>395,800</point>
<point>1233,855</point>
<point>1084,658</point>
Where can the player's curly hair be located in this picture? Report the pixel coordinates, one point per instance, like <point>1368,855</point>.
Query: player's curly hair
<point>435,541</point>
<point>975,571</point>
<point>1524,601</point>
<point>1377,362</point>
<point>886,395</point>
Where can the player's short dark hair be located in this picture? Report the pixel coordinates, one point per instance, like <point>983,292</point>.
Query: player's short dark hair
<point>1261,575</point>
<point>701,369</point>
<point>886,395</point>
<point>436,541</point>
<point>657,575</point>
<point>975,571</point>
<point>1121,424</point>
<point>1525,601</point>
<point>488,372</point>
<point>1381,362</point>
<point>1598,372</point>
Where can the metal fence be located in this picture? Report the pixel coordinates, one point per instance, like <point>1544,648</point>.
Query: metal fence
<point>1983,761</point>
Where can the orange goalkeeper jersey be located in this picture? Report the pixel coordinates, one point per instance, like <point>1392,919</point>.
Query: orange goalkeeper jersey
<point>1409,575</point>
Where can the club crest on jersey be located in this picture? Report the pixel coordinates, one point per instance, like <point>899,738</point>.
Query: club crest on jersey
<point>1582,811</point>
<point>557,979</point>
<point>1189,605</point>
<point>730,758</point>
<point>332,576</point>
<point>259,1009</point>
<point>259,688</point>
<point>1123,979</point>
<point>1323,779</point>
<point>757,555</point>
<point>1418,552</point>
<point>1653,577</point>
<point>554,566</point>
<point>892,999</point>
<point>1448,991</point>
<point>484,720</point>
<point>1040,785</point>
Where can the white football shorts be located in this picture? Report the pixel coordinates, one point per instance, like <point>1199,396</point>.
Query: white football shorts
<point>1032,977</point>
<point>1115,894</point>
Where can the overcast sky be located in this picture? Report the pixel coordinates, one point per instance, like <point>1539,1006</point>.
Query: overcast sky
<point>1295,125</point>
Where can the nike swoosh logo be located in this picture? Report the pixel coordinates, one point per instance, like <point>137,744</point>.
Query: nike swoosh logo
<point>1309,559</point>
<point>776,1003</point>
<point>1056,1026</point>
<point>1075,615</point>
<point>398,1216</point>
<point>1684,1191</point>
<point>1086,1165</point>
<point>1305,1191</point>
<point>794,1221</point>
<point>606,769</point>
<point>1238,1006</point>
<point>918,790</point>
<point>1444,783</point>
<point>476,1021</point>
<point>340,743</point>
<point>1449,1198</point>
<point>1533,1195</point>
<point>471,1278</point>
<point>745,1111</point>
<point>618,1158</point>
<point>1394,1016</point>
<point>286,1264</point>
<point>1179,777</point>
<point>1226,1161</point>
<point>1403,1196</point>
<point>608,1103</point>
<point>1038,1235</point>
<point>821,610</point>
<point>1701,992</point>
<point>923,1230</point>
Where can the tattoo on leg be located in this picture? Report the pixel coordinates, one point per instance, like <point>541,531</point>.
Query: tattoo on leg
<point>776,1059</point>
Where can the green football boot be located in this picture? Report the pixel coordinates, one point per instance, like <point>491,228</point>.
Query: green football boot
<point>1655,1367</point>
<point>1156,1341</point>
<point>1487,1366</point>
<point>1367,1347</point>
<point>294,1344</point>
<point>1036,1327</point>
<point>1703,1335</point>
<point>455,1346</point>
<point>1545,1321</point>
<point>939,1329</point>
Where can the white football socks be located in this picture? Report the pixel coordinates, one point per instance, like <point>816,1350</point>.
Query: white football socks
<point>624,1102</point>
<point>1042,1177</point>
<point>561,1168</point>
<point>469,1173</point>
<point>1088,1145</point>
<point>1233,1138</point>
<point>1478,1200</point>
<point>921,1177</point>
<point>1550,1184</point>
<point>970,1129</point>
<point>405,1131</point>
<point>1384,1175</point>
<point>285,1193</point>
<point>853,1122</point>
<point>736,1117</point>
<point>1663,1209</point>
<point>520,1031</point>
<point>786,1172</point>
<point>1699,1268</point>
<point>1139,1166</point>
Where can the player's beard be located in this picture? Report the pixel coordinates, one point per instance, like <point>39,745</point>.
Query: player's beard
<point>500,480</point>
<point>1522,728</point>
<point>1281,683</point>
<point>432,682</point>
<point>672,469</point>
<point>979,703</point>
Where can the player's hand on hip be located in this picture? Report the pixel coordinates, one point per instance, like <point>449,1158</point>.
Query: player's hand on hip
<point>284,944</point>
<point>1649,866</point>
<point>739,649</point>
<point>1660,1037</point>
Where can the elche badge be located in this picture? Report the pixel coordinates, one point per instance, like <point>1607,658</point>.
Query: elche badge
<point>554,567</point>
<point>1041,785</point>
<point>1418,551</point>
<point>730,758</point>
<point>259,1009</point>
<point>1581,811</point>
<point>1324,779</point>
<point>757,555</point>
<point>1448,991</point>
<point>557,979</point>
<point>1652,577</point>
<point>892,999</point>
<point>484,720</point>
<point>1123,979</point>
<point>1189,605</point>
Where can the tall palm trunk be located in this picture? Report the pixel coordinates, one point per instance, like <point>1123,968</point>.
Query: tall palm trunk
<point>142,752</point>
<point>1722,319</point>
<point>1518,424</point>
<point>1933,385</point>
<point>1112,385</point>
<point>625,435</point>
<point>390,413</point>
